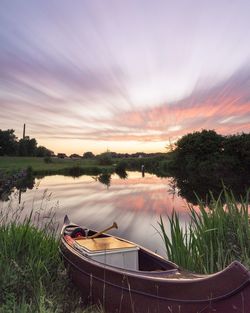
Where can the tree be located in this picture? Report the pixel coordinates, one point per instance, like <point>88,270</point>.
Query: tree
<point>8,142</point>
<point>43,152</point>
<point>75,156</point>
<point>208,154</point>
<point>237,150</point>
<point>105,158</point>
<point>27,147</point>
<point>88,155</point>
<point>199,150</point>
<point>9,145</point>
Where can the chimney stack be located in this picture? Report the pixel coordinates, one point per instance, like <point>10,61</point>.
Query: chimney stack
<point>23,131</point>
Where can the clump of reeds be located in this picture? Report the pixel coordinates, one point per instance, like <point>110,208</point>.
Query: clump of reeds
<point>32,276</point>
<point>216,235</point>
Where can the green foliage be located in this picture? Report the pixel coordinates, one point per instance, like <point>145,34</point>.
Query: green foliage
<point>200,144</point>
<point>237,149</point>
<point>29,259</point>
<point>215,236</point>
<point>58,166</point>
<point>27,147</point>
<point>198,149</point>
<point>164,166</point>
<point>32,275</point>
<point>207,153</point>
<point>88,155</point>
<point>154,164</point>
<point>105,158</point>
<point>177,245</point>
<point>8,143</point>
<point>48,159</point>
<point>43,152</point>
<point>29,171</point>
<point>203,160</point>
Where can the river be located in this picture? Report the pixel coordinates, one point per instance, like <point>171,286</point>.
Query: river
<point>135,203</point>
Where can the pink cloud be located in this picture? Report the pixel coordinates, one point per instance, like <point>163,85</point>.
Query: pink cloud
<point>225,108</point>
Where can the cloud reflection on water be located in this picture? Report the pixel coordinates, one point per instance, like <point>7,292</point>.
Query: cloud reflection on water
<point>135,203</point>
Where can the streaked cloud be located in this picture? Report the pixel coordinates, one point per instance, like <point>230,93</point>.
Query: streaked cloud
<point>91,75</point>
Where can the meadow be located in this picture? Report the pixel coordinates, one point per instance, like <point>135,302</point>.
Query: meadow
<point>11,164</point>
<point>93,166</point>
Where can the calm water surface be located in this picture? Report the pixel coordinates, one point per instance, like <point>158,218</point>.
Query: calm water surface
<point>135,203</point>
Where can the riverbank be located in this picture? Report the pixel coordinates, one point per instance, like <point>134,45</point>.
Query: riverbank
<point>33,278</point>
<point>9,165</point>
<point>47,166</point>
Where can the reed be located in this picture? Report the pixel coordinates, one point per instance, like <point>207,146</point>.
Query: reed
<point>32,276</point>
<point>216,234</point>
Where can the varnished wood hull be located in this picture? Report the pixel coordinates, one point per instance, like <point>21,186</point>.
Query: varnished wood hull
<point>170,290</point>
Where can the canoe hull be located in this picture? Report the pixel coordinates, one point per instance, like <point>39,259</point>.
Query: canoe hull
<point>119,291</point>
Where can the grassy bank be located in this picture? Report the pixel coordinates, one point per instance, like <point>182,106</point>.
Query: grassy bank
<point>216,235</point>
<point>10,165</point>
<point>157,165</point>
<point>32,275</point>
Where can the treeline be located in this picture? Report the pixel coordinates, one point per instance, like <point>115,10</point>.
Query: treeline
<point>115,155</point>
<point>207,152</point>
<point>11,146</point>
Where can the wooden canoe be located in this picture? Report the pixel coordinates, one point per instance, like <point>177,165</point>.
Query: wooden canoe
<point>124,277</point>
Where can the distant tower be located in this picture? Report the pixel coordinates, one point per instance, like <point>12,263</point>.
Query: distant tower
<point>23,131</point>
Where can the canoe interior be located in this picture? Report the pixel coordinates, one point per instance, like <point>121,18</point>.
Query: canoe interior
<point>147,261</point>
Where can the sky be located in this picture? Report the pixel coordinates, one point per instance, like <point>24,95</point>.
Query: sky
<point>128,76</point>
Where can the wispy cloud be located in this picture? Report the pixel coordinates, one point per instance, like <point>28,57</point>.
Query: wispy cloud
<point>224,107</point>
<point>92,75</point>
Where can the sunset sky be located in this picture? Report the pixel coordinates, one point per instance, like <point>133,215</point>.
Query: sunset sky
<point>127,76</point>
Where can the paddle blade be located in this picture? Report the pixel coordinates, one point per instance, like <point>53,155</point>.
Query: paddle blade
<point>66,220</point>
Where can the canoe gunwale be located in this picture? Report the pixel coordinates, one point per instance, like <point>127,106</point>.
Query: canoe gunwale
<point>150,277</point>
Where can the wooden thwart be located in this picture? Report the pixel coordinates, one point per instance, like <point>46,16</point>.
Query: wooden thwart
<point>105,243</point>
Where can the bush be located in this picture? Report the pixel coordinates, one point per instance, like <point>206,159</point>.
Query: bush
<point>47,159</point>
<point>105,158</point>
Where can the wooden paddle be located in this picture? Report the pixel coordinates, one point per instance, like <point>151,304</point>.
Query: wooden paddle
<point>103,231</point>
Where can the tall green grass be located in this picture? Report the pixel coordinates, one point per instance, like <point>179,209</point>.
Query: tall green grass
<point>32,276</point>
<point>216,235</point>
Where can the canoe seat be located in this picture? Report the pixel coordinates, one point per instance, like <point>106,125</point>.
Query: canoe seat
<point>104,244</point>
<point>111,251</point>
